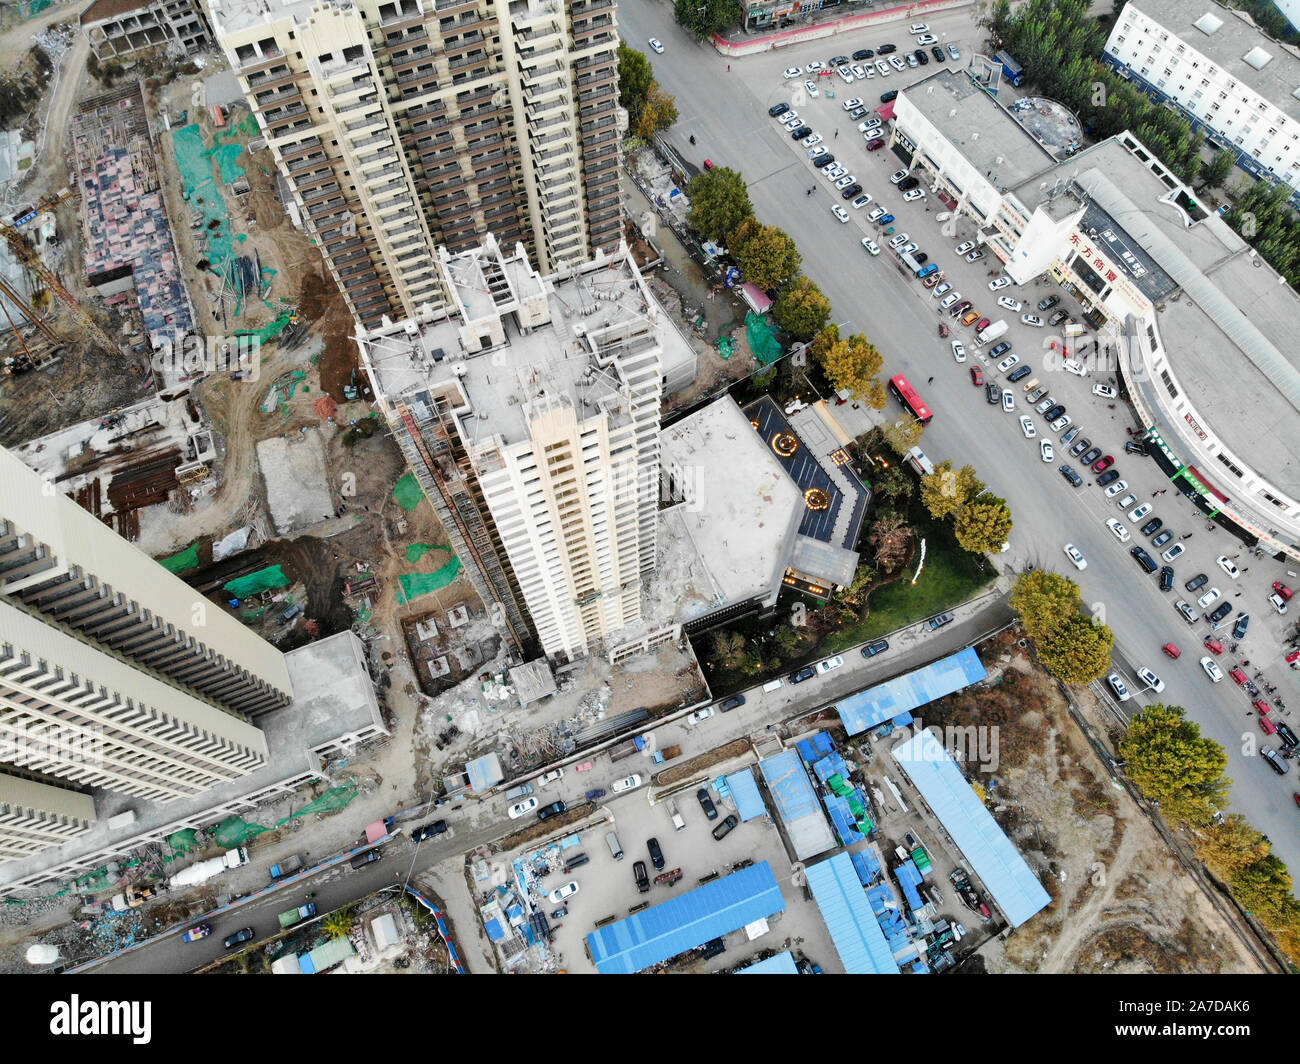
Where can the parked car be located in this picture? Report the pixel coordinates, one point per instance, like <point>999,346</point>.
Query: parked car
<point>1046,451</point>
<point>958,351</point>
<point>728,704</point>
<point>1160,540</point>
<point>1239,629</point>
<point>1149,678</point>
<point>656,854</point>
<point>1212,669</point>
<point>1225,563</point>
<point>1167,578</point>
<point>642,877</point>
<point>724,829</point>
<point>1076,557</point>
<point>1071,475</point>
<point>1032,319</point>
<point>706,803</point>
<point>1117,529</point>
<point>627,783</point>
<point>878,647</point>
<point>1116,487</point>
<point>1048,303</point>
<point>976,376</point>
<point>568,890</point>
<point>1118,686</point>
<point>829,664</point>
<point>1197,582</point>
<point>428,831</point>
<point>371,856</point>
<point>806,673</point>
<point>778,109</point>
<point>238,938</point>
<point>548,811</point>
<point>553,776</point>
<point>1103,463</point>
<point>700,715</point>
<point>938,622</point>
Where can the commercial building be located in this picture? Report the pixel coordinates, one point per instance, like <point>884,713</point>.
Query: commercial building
<point>1226,76</point>
<point>529,413</point>
<point>126,29</point>
<point>402,126</point>
<point>1199,327</point>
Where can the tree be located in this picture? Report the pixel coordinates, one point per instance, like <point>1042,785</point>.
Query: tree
<point>801,309</point>
<point>339,923</point>
<point>944,492</point>
<point>890,536</point>
<point>902,435</point>
<point>635,76</point>
<point>859,590</point>
<point>1172,764</point>
<point>1230,846</point>
<point>729,649</point>
<point>891,483</point>
<point>1045,601</point>
<point>765,254</point>
<point>1264,886</point>
<point>1078,651</point>
<point>854,364</point>
<point>658,113</point>
<point>1216,171</point>
<point>706,17</point>
<point>789,639</point>
<point>719,203</point>
<point>983,524</point>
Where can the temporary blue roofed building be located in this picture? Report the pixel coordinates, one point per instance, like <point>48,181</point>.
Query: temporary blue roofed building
<point>992,856</point>
<point>689,920</point>
<point>744,790</point>
<point>797,804</point>
<point>484,772</point>
<point>815,746</point>
<point>843,820</point>
<point>848,917</point>
<point>867,865</point>
<point>909,879</point>
<point>895,699</point>
<point>325,957</point>
<point>781,964</point>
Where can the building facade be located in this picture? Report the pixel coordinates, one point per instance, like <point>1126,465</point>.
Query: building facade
<point>1227,77</point>
<point>404,125</point>
<point>125,29</point>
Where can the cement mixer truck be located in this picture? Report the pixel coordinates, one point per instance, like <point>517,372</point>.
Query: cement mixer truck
<point>205,870</point>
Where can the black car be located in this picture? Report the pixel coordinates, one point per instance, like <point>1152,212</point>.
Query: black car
<point>238,938</point>
<point>1048,303</point>
<point>642,878</point>
<point>1161,539</point>
<point>921,57</point>
<point>728,704</point>
<point>885,49</point>
<point>1239,629</point>
<point>993,393</point>
<point>840,60</point>
<point>706,803</point>
<point>713,948</point>
<point>878,647</point>
<point>1109,477</point>
<point>724,829</point>
<point>864,53</point>
<point>576,861</point>
<point>1167,578</point>
<point>1058,317</point>
<point>1019,374</point>
<point>1196,582</point>
<point>1151,526</point>
<point>656,854</point>
<point>998,350</point>
<point>1220,612</point>
<point>937,52</point>
<point>823,161</point>
<point>1143,559</point>
<point>885,97</point>
<point>801,132</point>
<point>778,109</point>
<point>1133,447</point>
<point>1080,446</point>
<point>369,857</point>
<point>806,673</point>
<point>921,258</point>
<point>1071,475</point>
<point>428,831</point>
<point>1286,735</point>
<point>938,622</point>
<point>907,184</point>
<point>1053,412</point>
<point>1092,455</point>
<point>548,811</point>
<point>851,191</point>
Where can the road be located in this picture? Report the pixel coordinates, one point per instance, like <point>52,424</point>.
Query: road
<point>726,112</point>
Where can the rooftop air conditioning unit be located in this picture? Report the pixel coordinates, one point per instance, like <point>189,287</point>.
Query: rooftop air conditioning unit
<point>460,369</point>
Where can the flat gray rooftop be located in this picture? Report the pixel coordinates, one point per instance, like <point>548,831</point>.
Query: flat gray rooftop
<point>234,15</point>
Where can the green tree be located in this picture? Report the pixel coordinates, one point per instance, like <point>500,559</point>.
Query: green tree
<point>983,524</point>
<point>658,113</point>
<point>719,203</point>
<point>859,591</point>
<point>854,364</point>
<point>765,254</point>
<point>1173,764</point>
<point>1263,887</point>
<point>1078,651</point>
<point>729,649</point>
<point>1228,846</point>
<point>340,923</point>
<point>902,435</point>
<point>635,76</point>
<point>891,483</point>
<point>789,640</point>
<point>706,17</point>
<point>1217,170</point>
<point>801,309</point>
<point>945,491</point>
<point>1045,601</point>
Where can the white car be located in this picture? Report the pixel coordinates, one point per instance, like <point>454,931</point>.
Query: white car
<point>860,201</point>
<point>869,125</point>
<point>1173,552</point>
<point>834,173</point>
<point>1044,405</point>
<point>913,194</point>
<point>897,63</point>
<point>813,140</point>
<point>846,181</point>
<point>953,53</point>
<point>817,152</point>
<point>1117,529</point>
<point>1009,303</point>
<point>657,45</point>
<point>1276,601</point>
<point>897,176</point>
<point>868,71</point>
<point>846,75</point>
<point>520,808</point>
<point>1007,363</point>
<point>1061,423</point>
<point>876,212</point>
<point>627,783</point>
<point>1073,553</point>
<point>908,248</point>
<point>1105,391</point>
<point>840,213</point>
<point>949,300</point>
<point>1032,319</point>
<point>848,105</point>
<point>700,715</point>
<point>790,119</point>
<point>1126,502</point>
<point>959,351</point>
<point>927,39</point>
<point>882,67</point>
<point>898,241</point>
<point>1208,597</point>
<point>567,891</point>
<point>1070,365</point>
<point>811,87</point>
<point>1150,679</point>
<point>1212,669</point>
<point>1139,512</point>
<point>829,664</point>
<point>872,247</point>
<point>1008,400</point>
<point>1114,489</point>
<point>1117,685</point>
<point>859,71</point>
<point>1225,563</point>
<point>962,248</point>
<point>918,27</point>
<point>813,67</point>
<point>941,290</point>
<point>1046,450</point>
<point>791,72</point>
<point>547,778</point>
<point>1001,282</point>
<point>1027,426</point>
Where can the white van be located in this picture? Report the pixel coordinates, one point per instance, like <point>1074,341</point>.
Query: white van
<point>772,685</point>
<point>678,822</point>
<point>611,840</point>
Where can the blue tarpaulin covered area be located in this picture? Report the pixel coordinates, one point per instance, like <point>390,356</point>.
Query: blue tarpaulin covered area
<point>909,879</point>
<point>895,698</point>
<point>744,789</point>
<point>848,917</point>
<point>797,804</point>
<point>689,920</point>
<point>992,856</point>
<point>484,772</point>
<point>781,964</point>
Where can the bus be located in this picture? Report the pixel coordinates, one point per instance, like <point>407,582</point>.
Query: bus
<point>901,389</point>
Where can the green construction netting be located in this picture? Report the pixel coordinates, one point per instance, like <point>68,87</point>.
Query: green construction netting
<point>93,882</point>
<point>195,164</point>
<point>416,551</point>
<point>838,786</point>
<point>725,347</point>
<point>184,841</point>
<point>758,332</point>
<point>408,492</point>
<point>413,585</point>
<point>334,798</point>
<point>857,808</point>
<point>186,559</point>
<point>262,580</point>
<point>267,333</point>
<point>233,832</point>
<point>252,615</point>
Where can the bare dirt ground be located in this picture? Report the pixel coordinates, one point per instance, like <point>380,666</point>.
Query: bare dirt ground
<point>1121,900</point>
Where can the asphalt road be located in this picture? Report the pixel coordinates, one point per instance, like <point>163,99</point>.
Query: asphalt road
<point>726,111</point>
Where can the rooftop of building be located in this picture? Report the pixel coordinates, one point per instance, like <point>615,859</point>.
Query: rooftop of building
<point>973,120</point>
<point>231,16</point>
<point>1228,37</point>
<point>106,9</point>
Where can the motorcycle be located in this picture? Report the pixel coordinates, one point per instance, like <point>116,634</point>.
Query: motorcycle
<point>943,329</point>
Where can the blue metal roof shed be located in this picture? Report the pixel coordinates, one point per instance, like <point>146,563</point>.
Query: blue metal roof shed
<point>781,964</point>
<point>992,856</point>
<point>902,694</point>
<point>689,920</point>
<point>744,790</point>
<point>797,804</point>
<point>848,917</point>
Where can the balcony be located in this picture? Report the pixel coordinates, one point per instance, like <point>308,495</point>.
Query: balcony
<point>297,148</point>
<point>369,101</point>
<point>402,18</point>
<point>283,114</point>
<point>257,62</point>
<point>264,78</point>
<point>367,122</point>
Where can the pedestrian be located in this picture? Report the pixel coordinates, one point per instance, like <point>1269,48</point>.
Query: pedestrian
<point>728,68</point>
<point>1211,528</point>
<point>1246,570</point>
<point>1188,536</point>
<point>1237,595</point>
<point>1236,556</point>
<point>837,133</point>
<point>1154,494</point>
<point>930,381</point>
